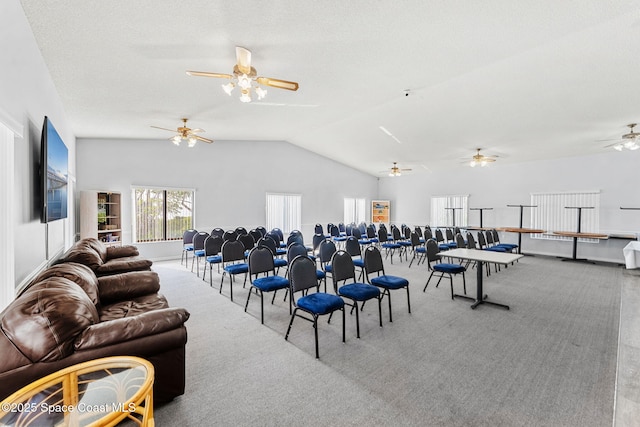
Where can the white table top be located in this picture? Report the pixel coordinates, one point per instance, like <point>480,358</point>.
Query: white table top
<point>481,255</point>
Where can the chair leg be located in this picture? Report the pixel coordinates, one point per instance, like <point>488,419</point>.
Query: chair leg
<point>408,300</point>
<point>315,330</point>
<point>428,280</point>
<point>380,310</point>
<point>355,305</point>
<point>293,316</point>
<point>343,324</point>
<point>389,298</point>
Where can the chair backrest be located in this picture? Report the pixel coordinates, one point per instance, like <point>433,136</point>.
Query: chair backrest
<point>187,236</point>
<point>481,240</point>
<point>489,235</point>
<point>407,233</point>
<point>418,231</point>
<point>427,233</point>
<point>279,233</point>
<point>261,230</point>
<point>318,229</point>
<point>217,232</point>
<point>198,240</point>
<point>349,229</point>
<point>415,240</point>
<point>471,241</point>
<point>438,235</point>
<point>432,251</point>
<point>213,245</point>
<point>334,231</point>
<point>255,234</point>
<point>232,250</point>
<point>456,230</point>
<point>382,225</point>
<point>341,227</point>
<point>496,236</point>
<point>460,241</point>
<point>373,260</point>
<point>240,230</point>
<point>396,234</point>
<point>363,228</point>
<point>342,268</point>
<point>247,240</point>
<point>230,235</point>
<point>295,238</point>
<point>302,275</point>
<point>371,231</point>
<point>275,237</point>
<point>317,239</point>
<point>260,261</point>
<point>294,250</point>
<point>449,233</point>
<point>356,233</point>
<point>382,234</point>
<point>352,246</point>
<point>326,250</point>
<point>269,243</point>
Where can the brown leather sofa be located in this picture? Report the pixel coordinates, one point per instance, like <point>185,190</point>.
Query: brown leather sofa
<point>68,315</point>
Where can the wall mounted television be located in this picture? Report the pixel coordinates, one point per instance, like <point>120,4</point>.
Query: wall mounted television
<point>54,172</point>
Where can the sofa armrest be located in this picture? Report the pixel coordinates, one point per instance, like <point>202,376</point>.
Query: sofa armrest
<point>128,328</point>
<point>124,286</point>
<point>121,251</point>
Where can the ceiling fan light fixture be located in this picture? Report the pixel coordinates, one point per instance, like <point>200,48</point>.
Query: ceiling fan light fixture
<point>176,140</point>
<point>260,92</point>
<point>244,82</point>
<point>246,96</point>
<point>228,88</point>
<point>191,141</point>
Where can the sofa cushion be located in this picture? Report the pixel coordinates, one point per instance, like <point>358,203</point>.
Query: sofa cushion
<point>121,251</point>
<point>118,287</point>
<point>133,307</point>
<point>128,328</point>
<point>95,244</point>
<point>83,253</point>
<point>80,274</point>
<point>121,265</point>
<point>45,320</point>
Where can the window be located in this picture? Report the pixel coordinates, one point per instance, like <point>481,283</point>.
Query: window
<point>551,213</point>
<point>354,210</point>
<point>284,212</point>
<point>161,214</point>
<point>442,213</point>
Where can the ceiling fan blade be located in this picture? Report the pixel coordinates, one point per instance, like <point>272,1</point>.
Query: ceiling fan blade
<point>243,59</point>
<point>196,130</point>
<point>208,74</point>
<point>406,170</point>
<point>157,127</point>
<point>280,84</point>
<point>203,139</point>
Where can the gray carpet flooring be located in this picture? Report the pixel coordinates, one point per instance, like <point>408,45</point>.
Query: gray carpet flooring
<point>549,361</point>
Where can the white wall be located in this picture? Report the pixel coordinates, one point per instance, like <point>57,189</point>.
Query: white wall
<point>614,173</point>
<point>231,179</point>
<point>27,94</point>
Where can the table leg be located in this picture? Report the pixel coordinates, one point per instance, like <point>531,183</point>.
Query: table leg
<point>481,298</point>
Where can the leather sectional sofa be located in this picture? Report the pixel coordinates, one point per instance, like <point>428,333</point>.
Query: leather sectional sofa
<point>69,315</point>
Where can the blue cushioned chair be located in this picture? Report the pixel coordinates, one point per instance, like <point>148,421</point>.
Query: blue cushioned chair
<point>296,249</point>
<point>373,265</point>
<point>187,245</point>
<point>217,232</point>
<point>325,252</point>
<point>418,249</point>
<point>302,278</point>
<point>233,263</point>
<point>212,248</point>
<point>390,247</point>
<point>268,242</point>
<point>439,238</point>
<point>352,246</point>
<point>343,271</point>
<point>334,232</point>
<point>510,247</point>
<point>198,250</point>
<point>442,268</point>
<point>263,277</point>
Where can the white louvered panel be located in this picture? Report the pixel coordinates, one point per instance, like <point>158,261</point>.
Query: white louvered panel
<point>551,213</point>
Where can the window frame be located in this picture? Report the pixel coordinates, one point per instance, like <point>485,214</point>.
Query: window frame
<point>165,216</point>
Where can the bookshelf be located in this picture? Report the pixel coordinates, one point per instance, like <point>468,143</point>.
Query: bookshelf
<point>100,216</point>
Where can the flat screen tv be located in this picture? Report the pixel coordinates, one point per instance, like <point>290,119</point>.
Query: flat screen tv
<point>54,170</point>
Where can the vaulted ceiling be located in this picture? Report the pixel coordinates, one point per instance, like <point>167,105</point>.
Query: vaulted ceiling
<point>522,80</point>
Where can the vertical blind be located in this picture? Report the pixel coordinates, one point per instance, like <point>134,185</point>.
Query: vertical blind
<point>354,210</point>
<point>284,211</point>
<point>551,213</point>
<point>442,216</point>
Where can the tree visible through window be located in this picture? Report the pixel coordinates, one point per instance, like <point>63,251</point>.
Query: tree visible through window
<point>161,214</point>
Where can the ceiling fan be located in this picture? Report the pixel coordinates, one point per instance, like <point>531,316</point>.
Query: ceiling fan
<point>184,133</point>
<point>396,171</point>
<point>246,78</point>
<point>628,140</point>
<point>481,159</point>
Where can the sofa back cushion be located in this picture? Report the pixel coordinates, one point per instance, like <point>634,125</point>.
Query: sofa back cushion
<point>82,252</point>
<point>45,320</point>
<point>79,274</point>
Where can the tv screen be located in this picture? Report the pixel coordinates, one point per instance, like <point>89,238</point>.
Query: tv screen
<point>54,168</point>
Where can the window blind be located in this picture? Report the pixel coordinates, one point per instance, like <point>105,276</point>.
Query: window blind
<point>551,213</point>
<point>284,211</point>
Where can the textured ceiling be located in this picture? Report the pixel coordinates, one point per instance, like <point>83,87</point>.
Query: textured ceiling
<point>522,80</point>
